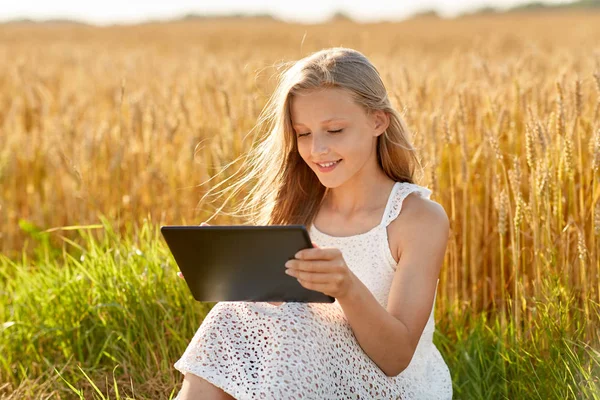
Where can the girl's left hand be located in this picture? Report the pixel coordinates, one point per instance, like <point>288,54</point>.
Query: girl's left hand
<point>323,270</point>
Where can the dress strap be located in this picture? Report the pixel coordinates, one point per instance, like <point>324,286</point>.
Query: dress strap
<point>399,193</point>
<point>390,200</point>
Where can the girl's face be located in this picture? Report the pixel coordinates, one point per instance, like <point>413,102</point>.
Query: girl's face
<point>336,137</point>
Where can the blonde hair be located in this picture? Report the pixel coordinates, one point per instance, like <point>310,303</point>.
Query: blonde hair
<point>283,189</point>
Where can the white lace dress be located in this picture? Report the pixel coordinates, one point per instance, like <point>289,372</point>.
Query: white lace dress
<point>308,350</point>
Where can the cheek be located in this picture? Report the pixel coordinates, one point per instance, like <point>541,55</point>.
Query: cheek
<point>357,146</point>
<point>303,149</point>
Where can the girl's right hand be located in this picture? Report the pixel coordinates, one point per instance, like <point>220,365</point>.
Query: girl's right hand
<point>179,274</point>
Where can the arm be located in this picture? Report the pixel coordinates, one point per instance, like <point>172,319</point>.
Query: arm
<point>390,337</point>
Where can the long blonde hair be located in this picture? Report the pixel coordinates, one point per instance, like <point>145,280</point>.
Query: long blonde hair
<point>282,189</point>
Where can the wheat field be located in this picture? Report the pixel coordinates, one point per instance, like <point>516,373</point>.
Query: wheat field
<point>114,129</point>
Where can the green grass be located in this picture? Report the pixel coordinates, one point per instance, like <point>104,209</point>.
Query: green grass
<point>105,317</point>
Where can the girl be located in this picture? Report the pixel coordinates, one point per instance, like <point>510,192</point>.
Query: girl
<point>335,158</point>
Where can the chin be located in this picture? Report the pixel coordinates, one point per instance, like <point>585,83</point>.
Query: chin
<point>330,182</point>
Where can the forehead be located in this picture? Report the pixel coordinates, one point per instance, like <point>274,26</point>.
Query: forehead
<point>323,104</point>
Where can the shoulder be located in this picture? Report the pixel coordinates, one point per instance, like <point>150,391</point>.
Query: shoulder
<point>421,211</point>
<point>421,223</point>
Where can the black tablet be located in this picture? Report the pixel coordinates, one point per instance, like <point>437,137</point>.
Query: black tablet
<point>241,263</point>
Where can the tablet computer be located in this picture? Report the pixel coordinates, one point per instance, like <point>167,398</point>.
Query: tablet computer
<point>240,262</point>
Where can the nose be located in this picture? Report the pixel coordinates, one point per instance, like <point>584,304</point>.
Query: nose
<point>319,146</point>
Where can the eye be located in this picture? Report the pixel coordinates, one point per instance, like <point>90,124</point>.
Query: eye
<point>306,134</point>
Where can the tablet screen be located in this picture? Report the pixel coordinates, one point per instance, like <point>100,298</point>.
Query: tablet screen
<point>241,263</point>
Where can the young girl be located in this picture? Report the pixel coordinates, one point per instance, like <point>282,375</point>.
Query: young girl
<point>335,158</point>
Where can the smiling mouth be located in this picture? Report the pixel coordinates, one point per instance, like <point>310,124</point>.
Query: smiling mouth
<point>328,164</point>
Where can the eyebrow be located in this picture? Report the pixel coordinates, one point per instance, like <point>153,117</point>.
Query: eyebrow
<point>322,122</point>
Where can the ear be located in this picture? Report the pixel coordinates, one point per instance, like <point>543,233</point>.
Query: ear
<point>381,121</point>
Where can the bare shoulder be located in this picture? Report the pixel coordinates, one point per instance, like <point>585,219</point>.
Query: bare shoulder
<point>421,211</point>
<point>421,221</point>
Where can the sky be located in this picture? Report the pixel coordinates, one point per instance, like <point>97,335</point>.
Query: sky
<point>123,11</point>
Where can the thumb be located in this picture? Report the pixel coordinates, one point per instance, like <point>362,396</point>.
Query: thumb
<point>179,274</point>
<point>204,224</point>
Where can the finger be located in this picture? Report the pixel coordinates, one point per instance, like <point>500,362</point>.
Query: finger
<point>316,266</point>
<point>318,253</point>
<point>313,277</point>
<point>204,224</point>
<point>179,274</point>
<point>316,246</point>
<point>317,287</point>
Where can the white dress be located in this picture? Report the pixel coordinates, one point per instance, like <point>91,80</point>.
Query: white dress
<point>256,350</point>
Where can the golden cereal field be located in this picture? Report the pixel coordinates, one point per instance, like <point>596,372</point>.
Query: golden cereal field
<point>126,122</point>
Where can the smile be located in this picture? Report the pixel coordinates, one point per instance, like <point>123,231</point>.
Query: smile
<point>328,166</point>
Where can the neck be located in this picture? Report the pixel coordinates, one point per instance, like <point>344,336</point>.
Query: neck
<point>359,193</point>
